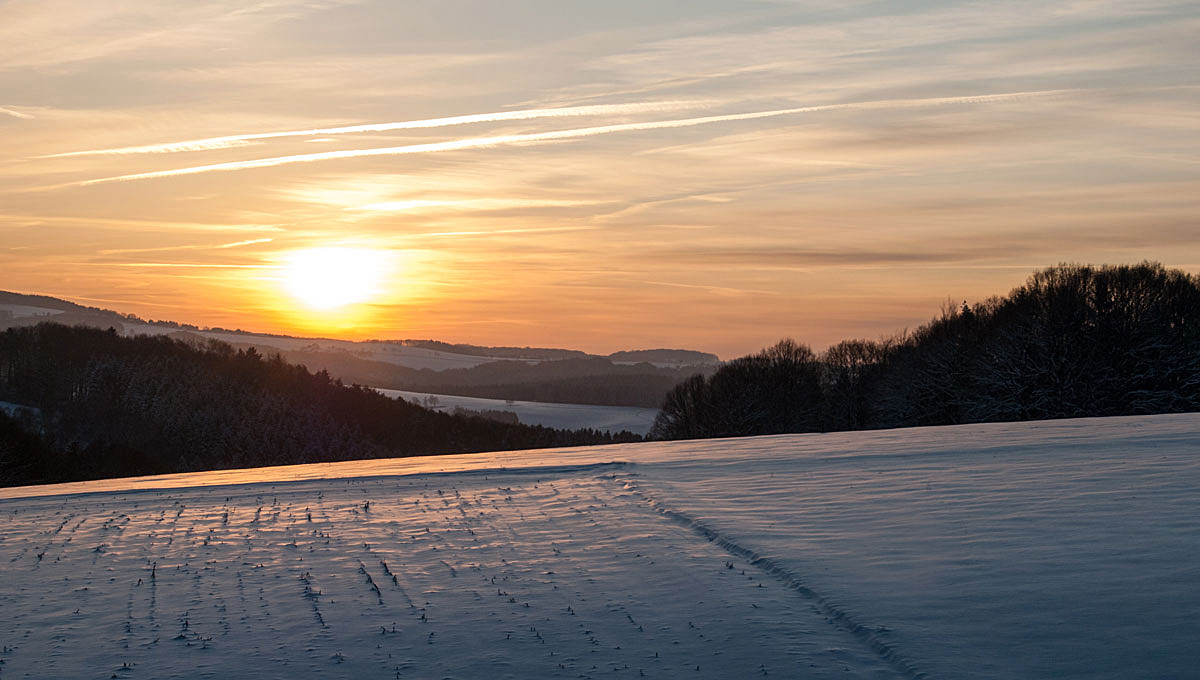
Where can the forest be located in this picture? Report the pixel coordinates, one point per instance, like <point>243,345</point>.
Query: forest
<point>84,403</point>
<point>1073,341</point>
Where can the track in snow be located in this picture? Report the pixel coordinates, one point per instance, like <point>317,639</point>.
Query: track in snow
<point>558,574</point>
<point>1061,549</point>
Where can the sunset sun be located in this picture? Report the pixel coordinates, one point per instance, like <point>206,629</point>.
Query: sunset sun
<point>331,278</point>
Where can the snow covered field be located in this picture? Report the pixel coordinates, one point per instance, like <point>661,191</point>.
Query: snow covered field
<point>568,416</point>
<point>1062,549</point>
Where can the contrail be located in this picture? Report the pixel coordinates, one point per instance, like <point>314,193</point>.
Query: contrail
<point>235,244</point>
<point>503,140</point>
<point>525,114</point>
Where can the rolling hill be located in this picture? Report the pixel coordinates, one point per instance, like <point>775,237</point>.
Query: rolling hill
<point>1061,549</point>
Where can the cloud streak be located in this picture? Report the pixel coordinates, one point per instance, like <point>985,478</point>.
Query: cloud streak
<point>15,114</point>
<point>135,224</point>
<point>470,204</point>
<point>560,135</point>
<point>525,114</point>
<point>497,232</point>
<point>222,246</point>
<point>175,265</point>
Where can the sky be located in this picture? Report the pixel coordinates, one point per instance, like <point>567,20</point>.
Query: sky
<point>714,175</point>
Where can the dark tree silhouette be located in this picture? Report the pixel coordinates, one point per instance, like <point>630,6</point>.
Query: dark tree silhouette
<point>113,406</point>
<point>777,390</point>
<point>1073,341</point>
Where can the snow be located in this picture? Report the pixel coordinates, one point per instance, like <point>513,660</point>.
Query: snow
<point>12,410</point>
<point>23,311</point>
<point>1061,549</point>
<point>569,416</point>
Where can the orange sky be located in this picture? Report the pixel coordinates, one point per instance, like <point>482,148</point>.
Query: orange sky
<point>710,175</point>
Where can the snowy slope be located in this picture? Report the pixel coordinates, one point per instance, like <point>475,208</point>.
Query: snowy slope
<point>567,416</point>
<point>1040,550</point>
<point>23,311</point>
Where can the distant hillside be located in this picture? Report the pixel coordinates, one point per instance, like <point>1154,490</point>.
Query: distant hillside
<point>590,380</point>
<point>540,353</point>
<point>42,301</point>
<point>627,378</point>
<point>17,309</point>
<point>682,357</point>
<point>87,403</point>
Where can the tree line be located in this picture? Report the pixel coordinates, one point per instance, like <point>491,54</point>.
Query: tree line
<point>1073,341</point>
<point>101,405</point>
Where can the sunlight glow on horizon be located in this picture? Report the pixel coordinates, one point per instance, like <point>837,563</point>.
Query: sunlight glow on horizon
<point>713,176</point>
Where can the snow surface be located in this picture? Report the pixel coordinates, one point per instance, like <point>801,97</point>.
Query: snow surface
<point>10,409</point>
<point>23,311</point>
<point>1062,549</point>
<point>569,416</point>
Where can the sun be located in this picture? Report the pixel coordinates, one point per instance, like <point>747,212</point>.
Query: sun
<point>335,277</point>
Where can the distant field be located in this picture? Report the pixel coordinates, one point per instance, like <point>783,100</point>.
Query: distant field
<point>1060,549</point>
<point>566,416</point>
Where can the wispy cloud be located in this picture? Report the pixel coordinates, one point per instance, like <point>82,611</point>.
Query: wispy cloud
<point>39,34</point>
<point>559,135</point>
<point>483,204</point>
<point>14,113</point>
<point>713,289</point>
<point>524,114</point>
<point>222,246</point>
<point>504,231</point>
<point>239,244</point>
<point>136,224</point>
<point>173,265</point>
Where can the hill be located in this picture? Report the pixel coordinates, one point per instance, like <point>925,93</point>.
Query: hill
<point>94,404</point>
<point>637,378</point>
<point>1032,550</point>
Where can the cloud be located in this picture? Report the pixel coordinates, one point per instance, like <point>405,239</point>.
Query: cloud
<point>559,135</point>
<point>135,225</point>
<point>525,114</point>
<point>222,246</point>
<point>174,265</point>
<point>497,232</point>
<point>775,256</point>
<point>15,114</point>
<point>41,34</point>
<point>479,205</point>
<point>725,290</point>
